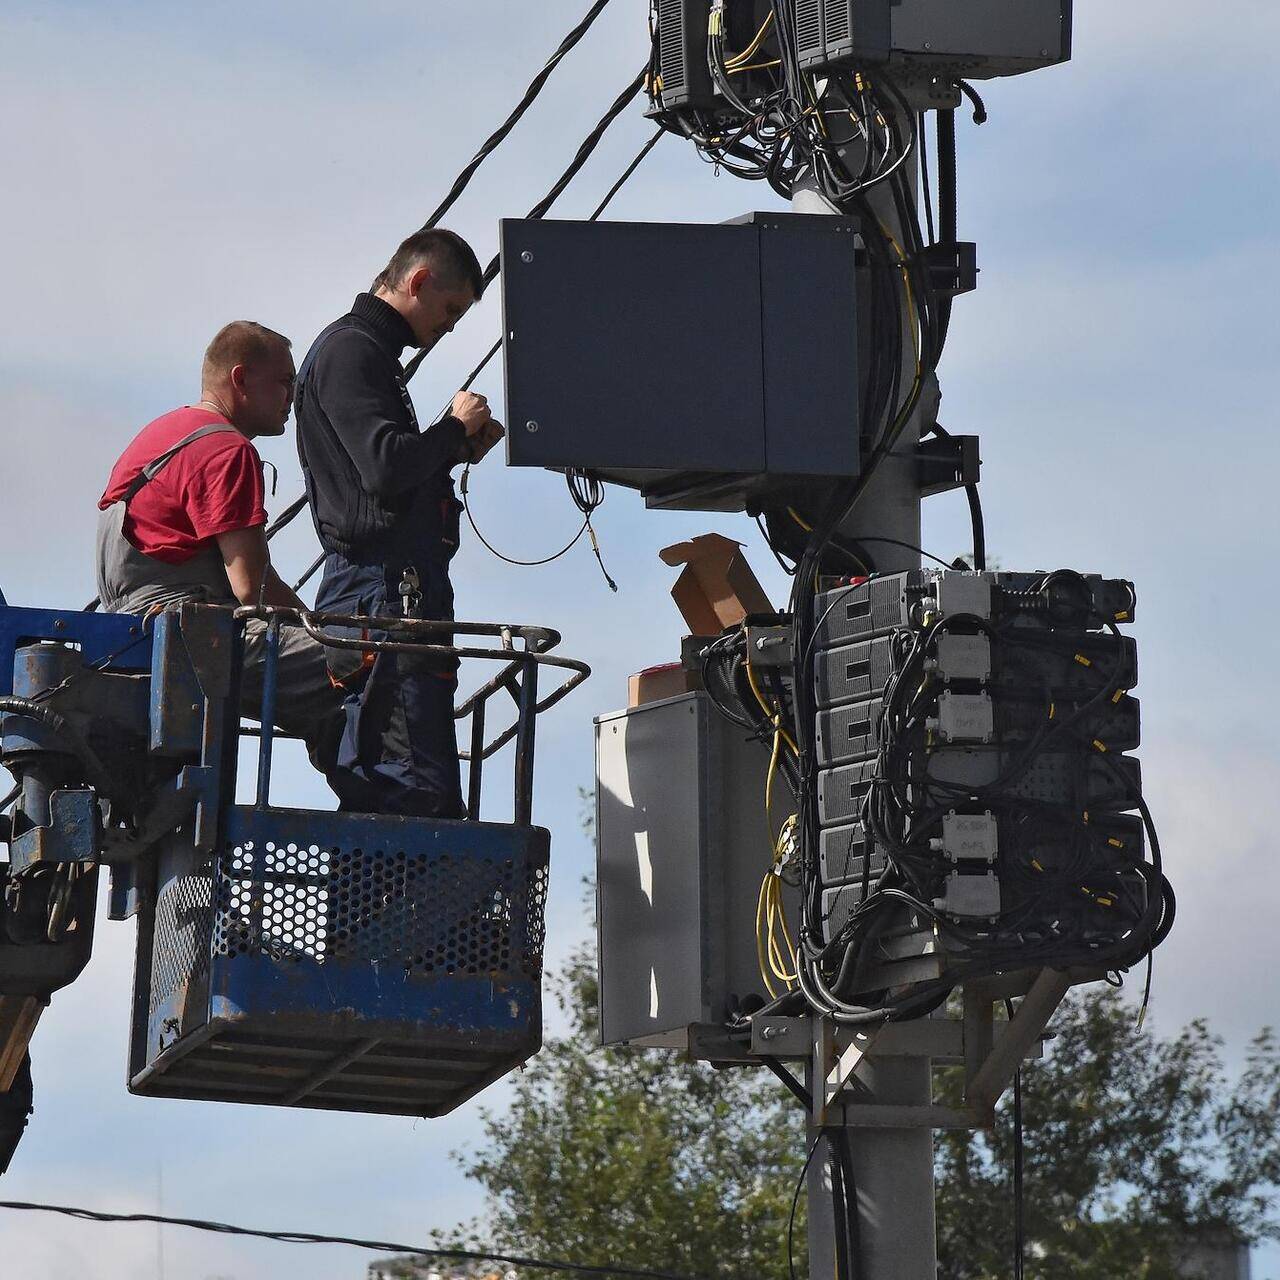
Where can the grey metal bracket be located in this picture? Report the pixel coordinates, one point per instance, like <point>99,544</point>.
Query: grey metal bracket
<point>990,1051</point>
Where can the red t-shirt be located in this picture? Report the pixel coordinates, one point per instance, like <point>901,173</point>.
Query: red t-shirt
<point>212,486</point>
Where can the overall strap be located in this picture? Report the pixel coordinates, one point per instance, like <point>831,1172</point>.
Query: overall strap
<point>156,465</point>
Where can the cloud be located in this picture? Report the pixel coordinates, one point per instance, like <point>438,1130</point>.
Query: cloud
<point>172,168</point>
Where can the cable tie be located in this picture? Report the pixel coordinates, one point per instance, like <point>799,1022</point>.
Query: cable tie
<point>1099,745</point>
<point>1083,661</point>
<point>1119,695</point>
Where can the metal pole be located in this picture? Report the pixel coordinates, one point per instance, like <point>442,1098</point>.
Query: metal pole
<point>892,1168</point>
<point>893,1183</point>
<point>270,676</point>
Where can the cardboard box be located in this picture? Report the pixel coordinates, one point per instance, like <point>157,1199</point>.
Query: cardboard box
<point>655,683</point>
<point>717,587</point>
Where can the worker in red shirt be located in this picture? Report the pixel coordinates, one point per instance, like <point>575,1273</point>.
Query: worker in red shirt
<point>182,519</point>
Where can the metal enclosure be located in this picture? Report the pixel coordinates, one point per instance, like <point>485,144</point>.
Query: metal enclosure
<point>663,356</point>
<point>982,38</point>
<point>682,845</point>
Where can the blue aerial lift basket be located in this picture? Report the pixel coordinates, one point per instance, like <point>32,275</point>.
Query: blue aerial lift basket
<point>338,960</point>
<point>290,957</point>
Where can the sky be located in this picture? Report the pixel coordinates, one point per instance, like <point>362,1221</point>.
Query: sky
<point>169,168</point>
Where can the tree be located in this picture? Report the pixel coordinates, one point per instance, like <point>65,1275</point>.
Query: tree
<point>1134,1147</point>
<point>639,1156</point>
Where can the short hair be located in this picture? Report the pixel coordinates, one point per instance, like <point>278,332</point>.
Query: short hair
<point>445,252</point>
<point>240,342</point>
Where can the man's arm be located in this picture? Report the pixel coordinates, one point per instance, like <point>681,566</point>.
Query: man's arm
<point>249,570</point>
<point>356,389</point>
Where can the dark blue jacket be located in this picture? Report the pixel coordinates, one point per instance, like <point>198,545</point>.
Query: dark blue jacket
<point>380,489</point>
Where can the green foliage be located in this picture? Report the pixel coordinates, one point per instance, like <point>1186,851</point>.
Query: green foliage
<point>640,1157</point>
<point>1134,1146</point>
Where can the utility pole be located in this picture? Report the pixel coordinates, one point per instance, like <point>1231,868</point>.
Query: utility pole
<point>892,1194</point>
<point>954,741</point>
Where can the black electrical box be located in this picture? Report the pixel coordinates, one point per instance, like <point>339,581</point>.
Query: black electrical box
<point>682,78</point>
<point>981,38</point>
<point>854,32</point>
<point>707,366</point>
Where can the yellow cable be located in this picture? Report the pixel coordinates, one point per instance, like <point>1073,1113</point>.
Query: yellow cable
<point>768,782</point>
<point>911,298</point>
<point>755,44</point>
<point>774,718</point>
<point>760,944</point>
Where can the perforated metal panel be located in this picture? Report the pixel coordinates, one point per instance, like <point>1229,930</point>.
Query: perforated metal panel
<point>184,922</point>
<point>380,964</point>
<point>432,912</point>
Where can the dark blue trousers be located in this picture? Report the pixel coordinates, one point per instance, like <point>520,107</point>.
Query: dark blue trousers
<point>399,748</point>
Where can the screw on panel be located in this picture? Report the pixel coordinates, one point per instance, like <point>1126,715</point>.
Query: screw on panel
<point>531,427</point>
<point>526,256</point>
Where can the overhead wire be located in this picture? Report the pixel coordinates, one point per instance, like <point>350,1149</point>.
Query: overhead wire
<point>494,140</point>
<point>580,158</point>
<point>357,1242</point>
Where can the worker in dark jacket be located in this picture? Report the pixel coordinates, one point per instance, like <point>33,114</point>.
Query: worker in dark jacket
<point>382,497</point>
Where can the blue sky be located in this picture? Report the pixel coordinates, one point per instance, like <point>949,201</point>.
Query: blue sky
<point>172,167</point>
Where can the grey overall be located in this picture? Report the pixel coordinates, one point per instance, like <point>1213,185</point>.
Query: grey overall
<point>130,581</point>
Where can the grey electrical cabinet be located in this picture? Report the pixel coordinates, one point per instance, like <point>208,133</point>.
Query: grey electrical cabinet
<point>981,39</point>
<point>682,846</point>
<point>702,365</point>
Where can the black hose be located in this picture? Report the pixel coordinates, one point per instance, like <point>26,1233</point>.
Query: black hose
<point>979,531</point>
<point>96,774</point>
<point>948,217</point>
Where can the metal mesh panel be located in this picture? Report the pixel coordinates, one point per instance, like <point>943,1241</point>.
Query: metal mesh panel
<point>671,44</point>
<point>432,913</point>
<point>837,17</point>
<point>183,922</point>
<point>808,27</point>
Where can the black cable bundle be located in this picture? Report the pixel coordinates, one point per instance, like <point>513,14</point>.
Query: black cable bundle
<point>1058,856</point>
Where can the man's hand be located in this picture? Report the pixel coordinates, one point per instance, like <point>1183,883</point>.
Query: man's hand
<point>484,440</point>
<point>472,411</point>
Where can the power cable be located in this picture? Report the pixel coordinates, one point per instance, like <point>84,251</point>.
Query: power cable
<point>583,154</point>
<point>495,139</point>
<point>1019,1222</point>
<point>795,1204</point>
<point>911,546</point>
<point>377,1246</point>
<point>627,172</point>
